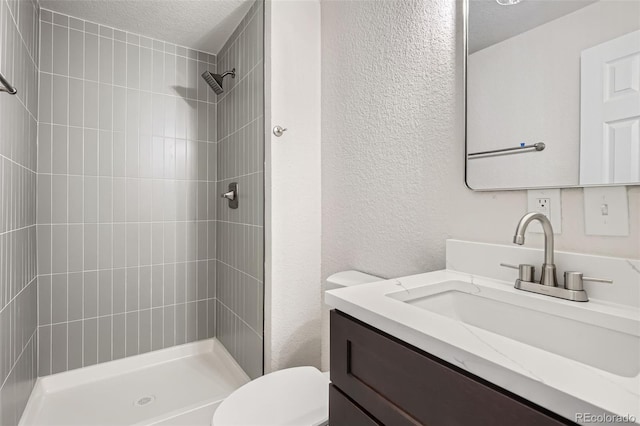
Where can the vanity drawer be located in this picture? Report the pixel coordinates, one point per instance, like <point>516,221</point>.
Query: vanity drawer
<point>402,385</point>
<point>343,412</point>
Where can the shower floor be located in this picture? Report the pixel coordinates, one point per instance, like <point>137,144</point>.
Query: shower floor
<point>175,386</point>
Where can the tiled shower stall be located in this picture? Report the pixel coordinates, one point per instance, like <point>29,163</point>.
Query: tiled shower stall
<point>135,249</point>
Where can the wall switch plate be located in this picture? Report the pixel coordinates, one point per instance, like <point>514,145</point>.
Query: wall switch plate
<point>606,211</point>
<point>549,203</point>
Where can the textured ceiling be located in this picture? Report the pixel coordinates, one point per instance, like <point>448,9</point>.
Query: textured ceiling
<point>490,23</point>
<point>200,24</point>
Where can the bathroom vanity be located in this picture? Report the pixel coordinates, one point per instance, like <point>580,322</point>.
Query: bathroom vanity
<point>377,378</point>
<point>462,346</point>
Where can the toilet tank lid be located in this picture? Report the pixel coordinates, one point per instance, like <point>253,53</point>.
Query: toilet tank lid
<point>349,278</point>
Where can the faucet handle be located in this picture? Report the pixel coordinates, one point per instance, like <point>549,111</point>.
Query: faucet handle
<point>575,280</point>
<point>525,272</point>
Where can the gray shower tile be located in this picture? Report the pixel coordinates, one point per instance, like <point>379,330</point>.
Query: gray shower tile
<point>120,112</point>
<point>91,56</point>
<point>104,339</point>
<point>60,52</point>
<point>59,199</point>
<point>180,287</point>
<point>119,336</point>
<point>76,102</point>
<point>180,324</point>
<point>90,294</point>
<point>211,318</point>
<point>90,342</point>
<point>44,348</point>
<point>44,199</point>
<point>145,287</point>
<point>75,345</point>
<point>105,240</point>
<point>157,328</point>
<point>169,281</point>
<point>58,348</point>
<point>131,333</point>
<point>75,296</point>
<point>192,322</point>
<point>119,201</point>
<point>201,318</point>
<point>59,255</point>
<point>105,286</point>
<point>133,238</point>
<point>90,247</point>
<point>119,291</point>
<point>119,245</point>
<point>75,247</point>
<point>169,326</point>
<point>157,286</point>
<point>132,289</point>
<point>105,69</point>
<point>44,300</point>
<point>90,152</point>
<point>120,62</point>
<point>76,53</point>
<point>60,87</point>
<point>75,200</point>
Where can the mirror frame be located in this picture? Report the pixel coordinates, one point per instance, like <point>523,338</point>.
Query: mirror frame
<point>465,50</point>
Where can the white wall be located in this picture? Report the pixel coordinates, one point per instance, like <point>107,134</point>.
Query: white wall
<point>292,211</point>
<point>527,88</point>
<point>393,147</point>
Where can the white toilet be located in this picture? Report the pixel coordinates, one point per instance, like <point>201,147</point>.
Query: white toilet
<point>290,397</point>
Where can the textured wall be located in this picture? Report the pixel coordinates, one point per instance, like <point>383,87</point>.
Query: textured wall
<point>240,232</point>
<point>126,194</point>
<point>393,147</point>
<point>18,136</point>
<point>292,214</point>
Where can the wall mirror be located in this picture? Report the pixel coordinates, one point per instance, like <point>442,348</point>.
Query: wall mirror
<point>553,93</point>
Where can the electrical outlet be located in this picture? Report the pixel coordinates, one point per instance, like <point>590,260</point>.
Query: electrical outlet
<point>547,202</point>
<point>543,205</point>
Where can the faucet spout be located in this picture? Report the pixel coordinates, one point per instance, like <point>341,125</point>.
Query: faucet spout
<point>548,268</point>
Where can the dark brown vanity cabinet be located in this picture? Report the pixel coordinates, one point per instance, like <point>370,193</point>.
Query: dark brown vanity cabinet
<point>380,380</point>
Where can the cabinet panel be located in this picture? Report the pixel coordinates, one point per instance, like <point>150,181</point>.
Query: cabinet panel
<point>402,385</point>
<point>343,412</point>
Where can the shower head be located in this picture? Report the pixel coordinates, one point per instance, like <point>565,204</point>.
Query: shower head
<point>215,80</point>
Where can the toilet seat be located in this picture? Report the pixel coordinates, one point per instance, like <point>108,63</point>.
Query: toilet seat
<point>290,397</point>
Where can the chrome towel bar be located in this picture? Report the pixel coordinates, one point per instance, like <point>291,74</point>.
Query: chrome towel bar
<point>7,86</point>
<point>539,146</point>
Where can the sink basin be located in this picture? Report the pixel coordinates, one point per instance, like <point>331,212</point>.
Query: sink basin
<point>602,340</point>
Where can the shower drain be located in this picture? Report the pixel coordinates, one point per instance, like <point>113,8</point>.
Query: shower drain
<point>145,400</point>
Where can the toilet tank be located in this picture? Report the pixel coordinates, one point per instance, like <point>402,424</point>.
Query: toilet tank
<point>349,278</point>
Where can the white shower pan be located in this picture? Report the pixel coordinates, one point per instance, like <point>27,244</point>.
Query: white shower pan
<point>182,385</point>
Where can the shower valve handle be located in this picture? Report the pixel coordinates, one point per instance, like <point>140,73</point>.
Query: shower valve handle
<point>231,195</point>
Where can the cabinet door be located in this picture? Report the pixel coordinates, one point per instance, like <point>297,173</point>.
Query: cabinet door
<point>401,385</point>
<point>343,412</point>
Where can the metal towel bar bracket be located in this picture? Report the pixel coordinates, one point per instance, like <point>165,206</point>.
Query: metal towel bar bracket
<point>539,146</point>
<point>7,86</point>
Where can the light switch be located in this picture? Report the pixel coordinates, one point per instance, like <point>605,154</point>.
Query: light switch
<point>606,211</point>
<point>548,202</point>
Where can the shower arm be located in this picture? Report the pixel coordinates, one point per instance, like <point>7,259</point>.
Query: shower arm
<point>232,72</point>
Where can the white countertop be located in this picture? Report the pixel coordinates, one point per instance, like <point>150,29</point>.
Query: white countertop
<point>559,384</point>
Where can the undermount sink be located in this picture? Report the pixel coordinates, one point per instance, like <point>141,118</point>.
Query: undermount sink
<point>602,340</point>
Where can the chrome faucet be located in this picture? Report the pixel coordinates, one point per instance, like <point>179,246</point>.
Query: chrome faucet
<point>548,276</point>
<point>573,288</point>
